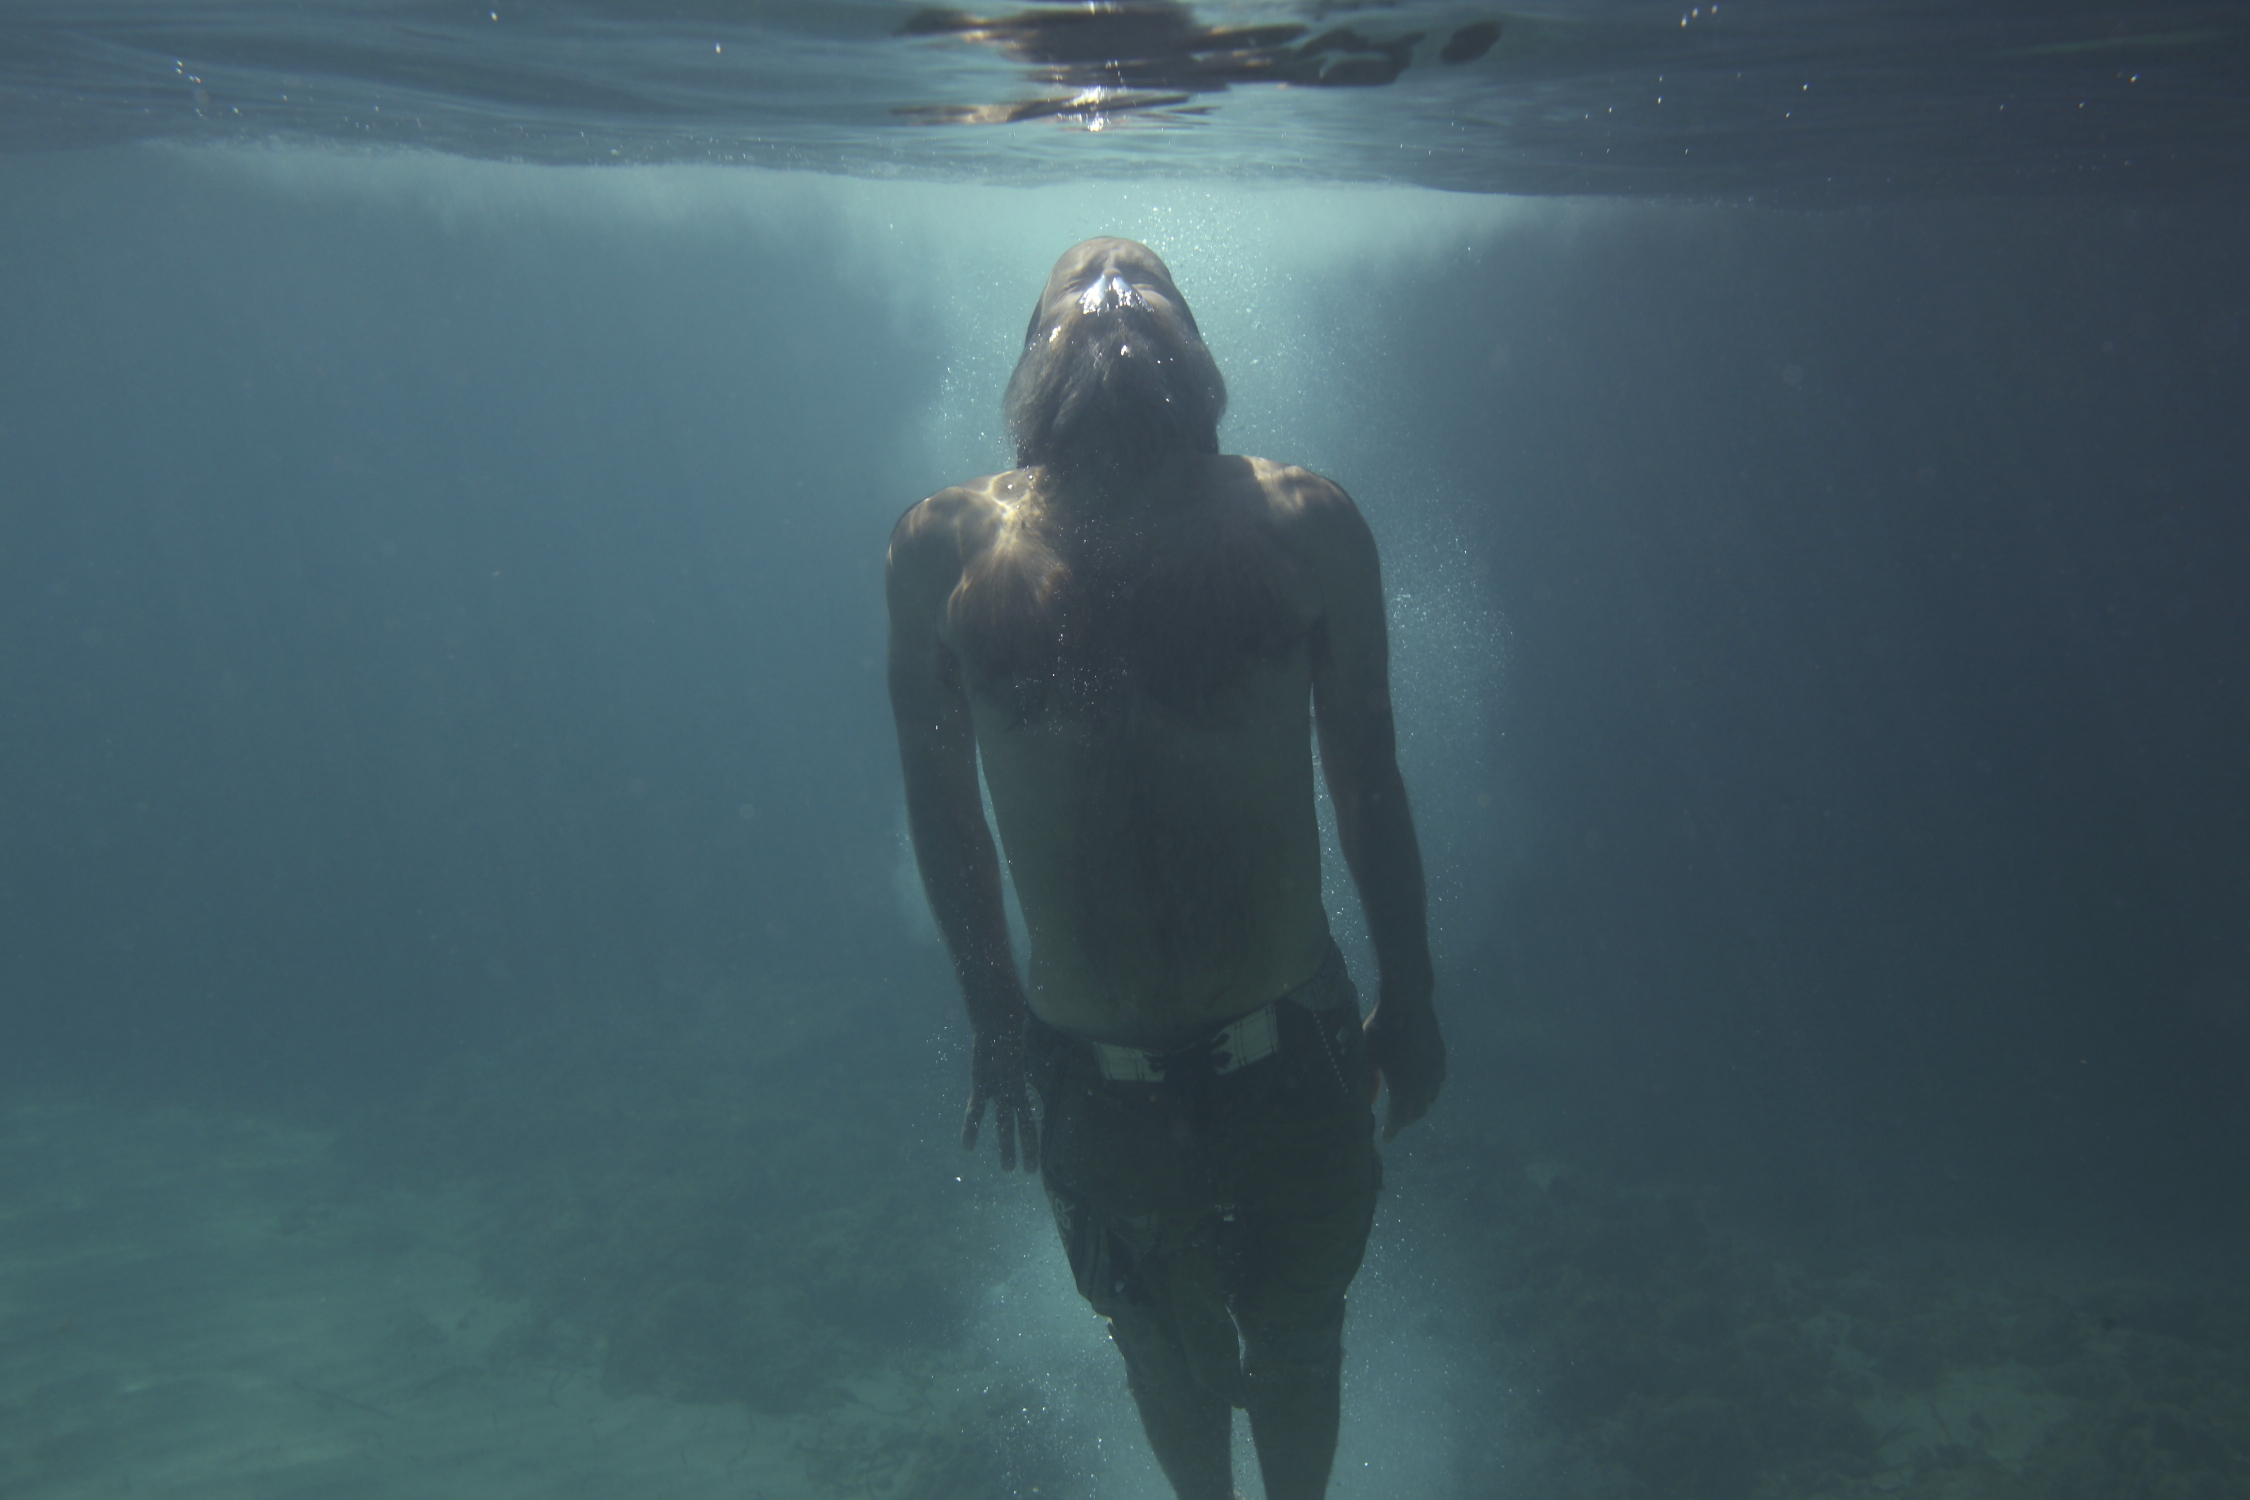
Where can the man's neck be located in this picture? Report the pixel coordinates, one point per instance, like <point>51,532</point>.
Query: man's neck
<point>1100,494</point>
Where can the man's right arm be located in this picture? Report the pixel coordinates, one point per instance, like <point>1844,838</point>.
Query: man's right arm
<point>953,844</point>
<point>1359,759</point>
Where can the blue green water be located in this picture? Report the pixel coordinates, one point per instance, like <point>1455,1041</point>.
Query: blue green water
<point>467,1021</point>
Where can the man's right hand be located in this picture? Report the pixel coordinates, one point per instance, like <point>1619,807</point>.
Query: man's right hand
<point>1408,1051</point>
<point>996,1077</point>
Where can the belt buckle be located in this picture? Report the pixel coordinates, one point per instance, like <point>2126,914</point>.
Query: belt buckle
<point>1128,1064</point>
<point>1245,1040</point>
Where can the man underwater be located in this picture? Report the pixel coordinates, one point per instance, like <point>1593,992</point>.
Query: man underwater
<point>1129,629</point>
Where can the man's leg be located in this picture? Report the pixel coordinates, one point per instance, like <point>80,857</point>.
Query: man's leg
<point>1292,1319</point>
<point>1295,1410</point>
<point>1190,1427</point>
<point>1310,1176</point>
<point>1107,1174</point>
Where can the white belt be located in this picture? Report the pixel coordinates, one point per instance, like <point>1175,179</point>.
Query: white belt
<point>1236,1045</point>
<point>1241,1042</point>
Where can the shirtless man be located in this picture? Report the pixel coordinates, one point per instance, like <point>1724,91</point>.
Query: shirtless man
<point>1129,630</point>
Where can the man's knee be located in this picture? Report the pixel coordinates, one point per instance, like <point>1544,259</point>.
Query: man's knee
<point>1292,1359</point>
<point>1267,1369</point>
<point>1304,1341</point>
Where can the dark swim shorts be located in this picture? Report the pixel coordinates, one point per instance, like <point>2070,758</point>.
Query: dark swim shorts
<point>1218,1195</point>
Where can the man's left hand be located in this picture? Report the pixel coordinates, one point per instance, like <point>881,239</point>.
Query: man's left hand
<point>1409,1055</point>
<point>996,1077</point>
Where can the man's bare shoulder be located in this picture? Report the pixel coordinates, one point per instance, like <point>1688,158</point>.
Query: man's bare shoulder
<point>1312,511</point>
<point>959,514</point>
<point>1293,496</point>
<point>936,538</point>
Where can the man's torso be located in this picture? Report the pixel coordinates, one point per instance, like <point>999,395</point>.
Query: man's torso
<point>1141,696</point>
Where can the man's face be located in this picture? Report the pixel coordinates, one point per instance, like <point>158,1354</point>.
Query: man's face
<point>1113,363</point>
<point>1110,293</point>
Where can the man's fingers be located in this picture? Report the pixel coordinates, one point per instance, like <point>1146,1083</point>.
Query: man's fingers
<point>1409,1063</point>
<point>1014,1126</point>
<point>1401,1110</point>
<point>1004,1126</point>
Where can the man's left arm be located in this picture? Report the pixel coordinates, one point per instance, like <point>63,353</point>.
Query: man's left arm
<point>1359,760</point>
<point>945,815</point>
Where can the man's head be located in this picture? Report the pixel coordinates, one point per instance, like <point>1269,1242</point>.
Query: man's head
<point>1114,372</point>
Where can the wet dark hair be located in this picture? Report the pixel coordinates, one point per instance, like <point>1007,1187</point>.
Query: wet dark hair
<point>1074,401</point>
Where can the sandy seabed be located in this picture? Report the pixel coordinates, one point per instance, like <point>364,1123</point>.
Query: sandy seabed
<point>196,1306</point>
<point>200,1304</point>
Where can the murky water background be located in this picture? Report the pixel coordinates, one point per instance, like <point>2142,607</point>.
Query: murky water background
<point>468,1022</point>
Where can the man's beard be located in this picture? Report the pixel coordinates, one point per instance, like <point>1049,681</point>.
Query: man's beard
<point>1116,392</point>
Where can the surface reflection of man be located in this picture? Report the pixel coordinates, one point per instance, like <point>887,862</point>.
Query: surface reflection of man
<point>1129,631</point>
